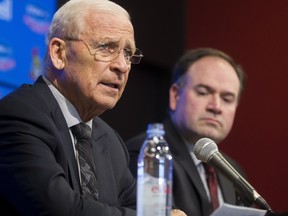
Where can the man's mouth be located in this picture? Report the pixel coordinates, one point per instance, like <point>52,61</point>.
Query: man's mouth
<point>111,85</point>
<point>212,121</point>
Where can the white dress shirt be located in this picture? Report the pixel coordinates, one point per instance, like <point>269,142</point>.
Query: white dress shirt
<point>202,174</point>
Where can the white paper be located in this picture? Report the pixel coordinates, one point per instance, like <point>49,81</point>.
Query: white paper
<point>232,210</point>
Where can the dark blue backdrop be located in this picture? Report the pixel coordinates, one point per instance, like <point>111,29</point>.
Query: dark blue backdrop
<point>23,27</point>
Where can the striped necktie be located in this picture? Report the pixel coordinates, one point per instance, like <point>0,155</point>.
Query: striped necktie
<point>89,183</point>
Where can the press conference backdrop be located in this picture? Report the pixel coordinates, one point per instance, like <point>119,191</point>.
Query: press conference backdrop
<point>23,27</point>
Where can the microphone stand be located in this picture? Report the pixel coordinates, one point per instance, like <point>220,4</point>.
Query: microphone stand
<point>246,199</point>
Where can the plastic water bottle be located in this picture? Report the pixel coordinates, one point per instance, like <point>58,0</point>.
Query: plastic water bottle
<point>154,176</point>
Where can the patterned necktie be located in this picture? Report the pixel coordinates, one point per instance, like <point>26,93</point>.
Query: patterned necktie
<point>89,182</point>
<point>211,178</point>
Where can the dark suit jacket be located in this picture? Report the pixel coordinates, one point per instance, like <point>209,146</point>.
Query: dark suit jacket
<point>188,191</point>
<point>38,170</point>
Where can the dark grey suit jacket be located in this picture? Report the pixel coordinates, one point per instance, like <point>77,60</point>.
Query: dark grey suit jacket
<point>38,170</point>
<point>188,191</point>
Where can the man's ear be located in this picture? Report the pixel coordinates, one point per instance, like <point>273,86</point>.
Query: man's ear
<point>174,92</point>
<point>57,53</point>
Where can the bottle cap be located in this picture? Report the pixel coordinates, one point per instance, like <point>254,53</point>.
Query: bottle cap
<point>155,129</point>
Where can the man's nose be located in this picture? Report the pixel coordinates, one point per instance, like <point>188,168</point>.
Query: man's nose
<point>214,104</point>
<point>121,62</point>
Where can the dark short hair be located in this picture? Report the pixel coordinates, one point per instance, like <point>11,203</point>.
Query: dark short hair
<point>191,56</point>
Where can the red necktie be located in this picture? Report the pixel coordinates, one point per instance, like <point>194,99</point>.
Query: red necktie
<point>211,178</point>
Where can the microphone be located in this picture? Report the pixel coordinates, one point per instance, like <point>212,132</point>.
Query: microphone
<point>206,150</point>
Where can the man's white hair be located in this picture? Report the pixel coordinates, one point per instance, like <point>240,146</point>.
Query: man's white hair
<point>69,19</point>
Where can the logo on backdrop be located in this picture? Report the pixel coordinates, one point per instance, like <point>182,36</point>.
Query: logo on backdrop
<point>7,61</point>
<point>36,64</point>
<point>6,10</point>
<point>37,17</point>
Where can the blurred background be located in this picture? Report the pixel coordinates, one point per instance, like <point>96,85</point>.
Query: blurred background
<point>254,33</point>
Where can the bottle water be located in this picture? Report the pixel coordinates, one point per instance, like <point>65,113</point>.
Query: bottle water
<point>154,176</point>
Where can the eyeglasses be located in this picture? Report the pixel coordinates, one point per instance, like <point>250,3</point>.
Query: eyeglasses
<point>109,51</point>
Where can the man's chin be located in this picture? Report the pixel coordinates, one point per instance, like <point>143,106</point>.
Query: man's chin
<point>108,103</point>
<point>109,106</point>
<point>216,137</point>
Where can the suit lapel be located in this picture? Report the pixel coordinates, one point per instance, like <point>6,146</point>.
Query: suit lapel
<point>103,162</point>
<point>227,189</point>
<point>71,168</point>
<point>188,165</point>
<point>65,138</point>
<point>181,155</point>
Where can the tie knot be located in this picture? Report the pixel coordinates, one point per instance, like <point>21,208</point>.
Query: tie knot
<point>208,169</point>
<point>81,131</point>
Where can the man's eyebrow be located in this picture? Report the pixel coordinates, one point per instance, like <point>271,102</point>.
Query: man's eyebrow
<point>127,44</point>
<point>209,88</point>
<point>108,40</point>
<point>201,85</point>
<point>130,44</point>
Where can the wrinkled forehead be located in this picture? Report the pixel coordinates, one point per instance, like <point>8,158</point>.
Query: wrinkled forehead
<point>108,27</point>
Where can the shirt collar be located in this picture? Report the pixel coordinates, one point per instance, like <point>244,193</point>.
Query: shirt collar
<point>190,147</point>
<point>69,111</point>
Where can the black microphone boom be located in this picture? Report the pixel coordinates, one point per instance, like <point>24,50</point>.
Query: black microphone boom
<point>206,150</point>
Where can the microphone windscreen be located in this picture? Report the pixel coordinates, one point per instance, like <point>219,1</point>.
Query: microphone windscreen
<point>204,149</point>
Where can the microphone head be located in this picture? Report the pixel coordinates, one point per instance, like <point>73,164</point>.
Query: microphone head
<point>204,149</point>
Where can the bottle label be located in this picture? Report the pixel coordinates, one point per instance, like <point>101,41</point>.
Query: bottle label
<point>154,196</point>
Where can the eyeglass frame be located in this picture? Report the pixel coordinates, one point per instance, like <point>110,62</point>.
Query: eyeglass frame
<point>128,58</point>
